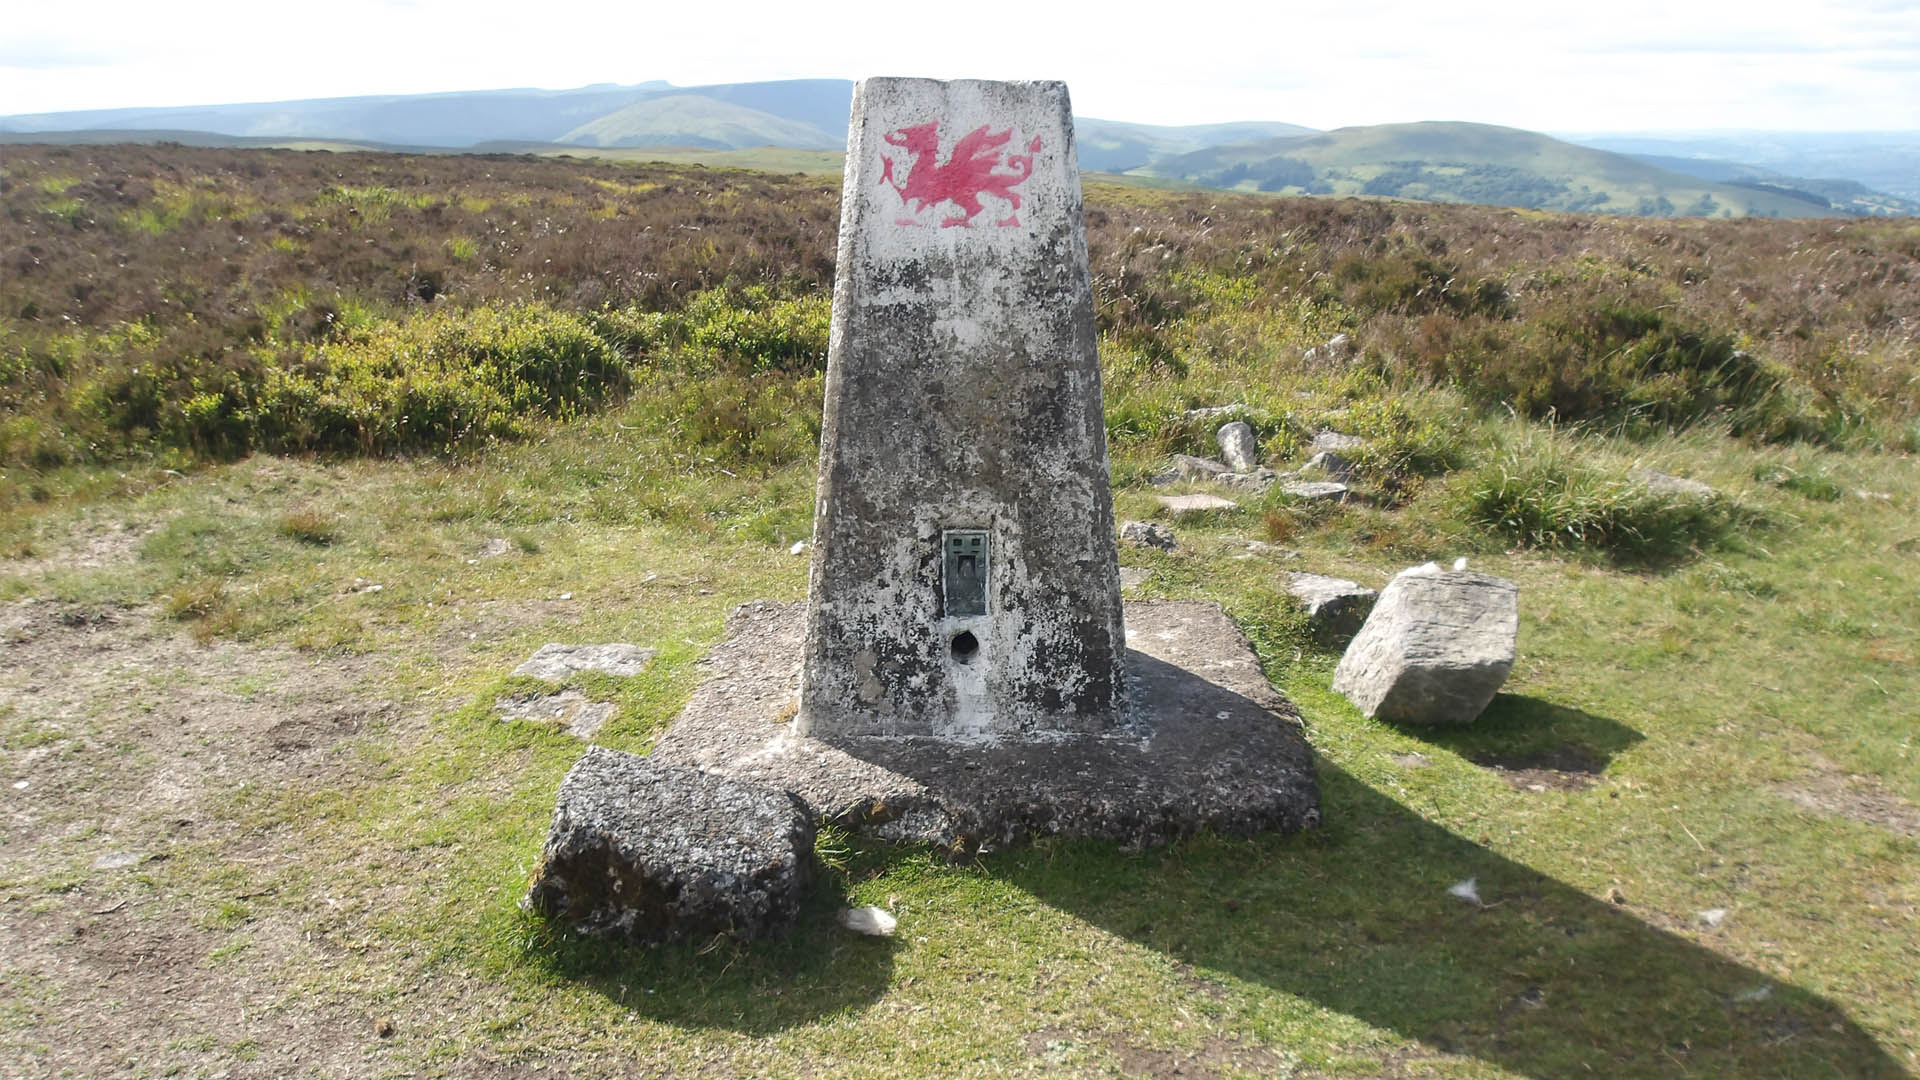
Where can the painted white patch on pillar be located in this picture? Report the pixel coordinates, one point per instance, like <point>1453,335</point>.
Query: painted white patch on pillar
<point>963,399</point>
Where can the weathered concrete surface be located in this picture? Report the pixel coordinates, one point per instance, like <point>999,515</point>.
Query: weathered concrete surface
<point>652,851</point>
<point>554,662</point>
<point>1336,608</point>
<point>1437,647</point>
<point>963,393</point>
<point>1207,743</point>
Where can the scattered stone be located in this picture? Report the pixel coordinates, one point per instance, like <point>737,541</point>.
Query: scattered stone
<point>1616,897</point>
<point>118,860</point>
<point>1753,994</point>
<point>798,547</point>
<point>1468,890</point>
<point>1413,759</point>
<point>1270,551</point>
<point>494,547</point>
<point>362,585</point>
<point>1328,440</point>
<point>1436,648</point>
<point>1333,351</point>
<point>650,851</point>
<point>1148,534</point>
<point>871,921</point>
<point>1332,465</point>
<point>1256,481</point>
<point>1187,504</point>
<point>1314,489</point>
<point>1662,484</point>
<point>1713,917</point>
<point>1335,607</point>
<point>554,662</point>
<point>21,785</point>
<point>1132,577</point>
<point>1187,467</point>
<point>569,710</point>
<point>1211,411</point>
<point>1237,447</point>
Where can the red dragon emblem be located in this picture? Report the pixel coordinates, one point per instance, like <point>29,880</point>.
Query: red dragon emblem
<point>978,166</point>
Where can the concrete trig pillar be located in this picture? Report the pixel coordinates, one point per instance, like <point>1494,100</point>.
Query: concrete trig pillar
<point>964,581</point>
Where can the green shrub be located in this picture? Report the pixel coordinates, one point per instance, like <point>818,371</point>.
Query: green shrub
<point>1541,493</point>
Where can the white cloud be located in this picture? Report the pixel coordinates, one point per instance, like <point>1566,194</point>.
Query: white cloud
<point>1632,64</point>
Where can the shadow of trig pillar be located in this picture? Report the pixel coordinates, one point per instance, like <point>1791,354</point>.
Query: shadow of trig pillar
<point>964,581</point>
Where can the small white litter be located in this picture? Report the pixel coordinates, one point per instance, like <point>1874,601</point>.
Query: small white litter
<point>1713,916</point>
<point>1468,890</point>
<point>872,921</point>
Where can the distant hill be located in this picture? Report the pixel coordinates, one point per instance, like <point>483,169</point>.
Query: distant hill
<point>1475,163</point>
<point>1884,161</point>
<point>1116,146</point>
<point>1849,196</point>
<point>696,120</point>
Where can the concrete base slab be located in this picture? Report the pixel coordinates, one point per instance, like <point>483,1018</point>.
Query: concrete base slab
<point>1209,745</point>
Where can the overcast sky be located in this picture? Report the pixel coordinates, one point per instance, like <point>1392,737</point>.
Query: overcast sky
<point>1615,66</point>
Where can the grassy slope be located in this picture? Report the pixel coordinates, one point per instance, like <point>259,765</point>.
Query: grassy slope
<point>1713,696</point>
<point>689,119</point>
<point>1349,157</point>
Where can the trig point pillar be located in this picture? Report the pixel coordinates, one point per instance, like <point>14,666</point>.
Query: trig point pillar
<point>964,581</point>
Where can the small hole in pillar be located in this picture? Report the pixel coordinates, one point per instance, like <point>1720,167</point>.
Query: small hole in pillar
<point>965,646</point>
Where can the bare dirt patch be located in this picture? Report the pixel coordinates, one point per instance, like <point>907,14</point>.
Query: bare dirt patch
<point>1214,1057</point>
<point>1831,790</point>
<point>139,915</point>
<point>1562,768</point>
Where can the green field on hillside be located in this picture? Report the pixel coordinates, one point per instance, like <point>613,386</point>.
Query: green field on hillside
<point>301,454</point>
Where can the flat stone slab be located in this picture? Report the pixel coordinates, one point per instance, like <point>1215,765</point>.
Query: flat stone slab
<point>554,662</point>
<point>1337,442</point>
<point>1335,607</point>
<point>1148,534</point>
<point>651,851</point>
<point>1189,504</point>
<point>569,710</point>
<point>1335,466</point>
<point>1208,743</point>
<point>1314,489</point>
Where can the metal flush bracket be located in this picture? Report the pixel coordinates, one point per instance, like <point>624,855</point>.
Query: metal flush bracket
<point>964,571</point>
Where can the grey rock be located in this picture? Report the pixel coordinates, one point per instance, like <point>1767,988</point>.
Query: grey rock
<point>118,860</point>
<point>1314,489</point>
<point>651,851</point>
<point>554,662</point>
<point>1332,352</point>
<point>1237,447</point>
<point>1335,441</point>
<point>1132,577</point>
<point>1335,607</point>
<point>1256,481</point>
<point>1663,484</point>
<point>1148,534</point>
<point>1187,467</point>
<point>495,547</point>
<point>569,710</point>
<point>1332,465</point>
<point>1211,412</point>
<point>1191,504</point>
<point>1437,647</point>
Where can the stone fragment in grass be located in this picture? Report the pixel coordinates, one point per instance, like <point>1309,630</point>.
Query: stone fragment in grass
<point>1436,648</point>
<point>495,547</point>
<point>1336,442</point>
<point>648,851</point>
<point>1335,607</point>
<point>1663,484</point>
<point>1314,489</point>
<point>1189,504</point>
<point>1237,447</point>
<point>1713,917</point>
<point>118,860</point>
<point>1332,465</point>
<point>1132,577</point>
<point>1330,353</point>
<point>1187,467</point>
<point>568,710</point>
<point>1148,534</point>
<point>554,662</point>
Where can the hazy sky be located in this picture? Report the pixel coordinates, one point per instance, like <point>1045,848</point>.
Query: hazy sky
<point>1619,65</point>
